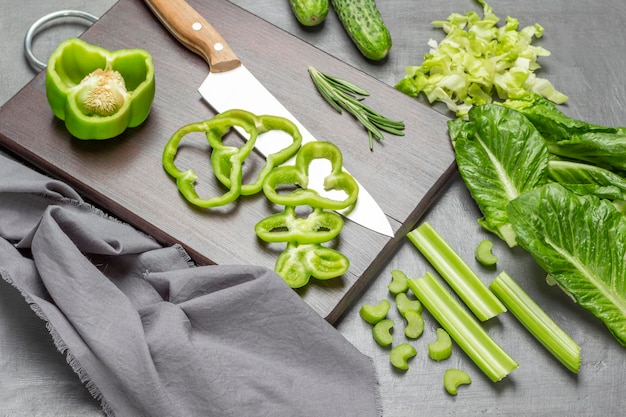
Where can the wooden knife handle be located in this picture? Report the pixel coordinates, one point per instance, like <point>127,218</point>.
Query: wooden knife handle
<point>190,28</point>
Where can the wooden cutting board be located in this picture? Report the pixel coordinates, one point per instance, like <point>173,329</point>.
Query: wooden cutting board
<point>124,175</point>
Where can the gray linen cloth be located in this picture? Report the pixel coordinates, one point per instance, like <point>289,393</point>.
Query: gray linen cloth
<point>151,334</point>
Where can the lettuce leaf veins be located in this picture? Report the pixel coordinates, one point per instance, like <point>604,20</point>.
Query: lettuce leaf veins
<point>500,155</point>
<point>574,139</point>
<point>581,242</point>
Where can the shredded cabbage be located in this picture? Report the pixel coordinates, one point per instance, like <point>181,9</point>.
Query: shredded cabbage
<point>478,60</point>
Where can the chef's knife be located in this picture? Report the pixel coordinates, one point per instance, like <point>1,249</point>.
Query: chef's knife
<point>230,85</point>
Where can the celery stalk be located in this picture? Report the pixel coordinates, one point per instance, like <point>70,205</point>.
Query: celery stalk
<point>483,303</point>
<point>464,329</point>
<point>538,323</point>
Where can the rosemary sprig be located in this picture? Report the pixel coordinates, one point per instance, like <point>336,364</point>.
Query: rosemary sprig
<point>344,95</point>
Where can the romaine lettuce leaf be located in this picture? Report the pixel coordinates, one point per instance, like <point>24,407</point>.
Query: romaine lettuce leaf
<point>575,139</point>
<point>500,155</point>
<point>588,179</point>
<point>581,242</point>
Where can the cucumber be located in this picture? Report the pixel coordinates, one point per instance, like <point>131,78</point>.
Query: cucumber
<point>309,12</point>
<point>365,26</point>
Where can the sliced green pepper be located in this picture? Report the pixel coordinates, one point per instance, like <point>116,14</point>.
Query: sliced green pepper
<point>227,161</point>
<point>221,160</point>
<point>299,262</point>
<point>99,93</point>
<point>297,175</point>
<point>304,256</point>
<point>320,226</point>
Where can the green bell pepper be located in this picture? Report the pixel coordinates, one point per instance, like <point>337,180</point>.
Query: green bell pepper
<point>227,161</point>
<point>296,176</point>
<point>301,261</point>
<point>99,93</point>
<point>320,226</point>
<point>304,256</point>
<point>221,156</point>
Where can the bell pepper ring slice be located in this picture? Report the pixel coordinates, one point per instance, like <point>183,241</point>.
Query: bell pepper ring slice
<point>296,177</point>
<point>227,161</point>
<point>299,262</point>
<point>318,227</point>
<point>262,124</point>
<point>186,180</point>
<point>99,93</point>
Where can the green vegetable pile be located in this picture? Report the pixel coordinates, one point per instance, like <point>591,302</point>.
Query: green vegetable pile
<point>554,186</point>
<point>479,60</point>
<point>306,221</point>
<point>410,309</point>
<point>305,256</point>
<point>503,294</point>
<point>459,316</point>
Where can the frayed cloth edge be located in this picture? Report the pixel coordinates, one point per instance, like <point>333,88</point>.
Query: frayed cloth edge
<point>62,347</point>
<point>186,257</point>
<point>377,396</point>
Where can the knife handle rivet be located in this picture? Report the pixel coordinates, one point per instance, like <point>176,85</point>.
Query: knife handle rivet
<point>196,26</point>
<point>218,46</point>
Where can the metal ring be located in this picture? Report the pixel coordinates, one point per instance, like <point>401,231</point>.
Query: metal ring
<point>36,27</point>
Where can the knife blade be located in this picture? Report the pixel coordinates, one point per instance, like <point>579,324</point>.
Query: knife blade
<point>229,85</point>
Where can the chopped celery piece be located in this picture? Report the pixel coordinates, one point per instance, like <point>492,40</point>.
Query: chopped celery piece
<point>441,348</point>
<point>382,332</point>
<point>398,282</point>
<point>375,313</point>
<point>462,327</point>
<point>483,303</point>
<point>453,378</point>
<point>538,323</point>
<point>484,253</point>
<point>414,325</point>
<point>405,305</point>
<point>400,355</point>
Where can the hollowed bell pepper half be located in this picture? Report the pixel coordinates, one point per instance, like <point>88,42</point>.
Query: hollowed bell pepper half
<point>99,93</point>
